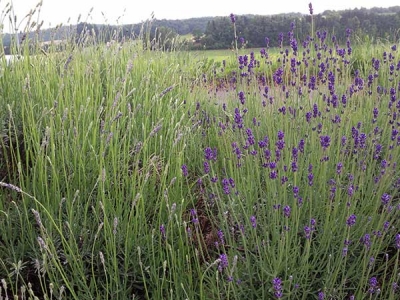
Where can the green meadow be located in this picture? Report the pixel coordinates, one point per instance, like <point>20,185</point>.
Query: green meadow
<point>129,170</point>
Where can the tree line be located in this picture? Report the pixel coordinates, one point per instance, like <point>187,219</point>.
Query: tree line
<point>372,25</point>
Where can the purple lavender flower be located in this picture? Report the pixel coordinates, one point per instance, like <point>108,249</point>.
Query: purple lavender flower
<point>308,116</point>
<point>287,211</point>
<point>385,199</point>
<point>315,110</point>
<point>238,118</point>
<point>301,146</point>
<point>242,97</point>
<point>350,190</point>
<point>386,225</point>
<point>295,152</point>
<point>278,154</point>
<point>339,167</point>
<point>233,18</point>
<point>280,144</point>
<point>184,170</point>
<point>397,241</point>
<point>277,285</point>
<point>223,264</point>
<point>310,8</point>
<point>206,167</point>
<point>273,174</point>
<point>366,240</point>
<point>373,285</point>
<point>221,238</point>
<point>321,296</point>
<point>343,140</point>
<point>162,231</point>
<point>253,221</point>
<point>375,112</point>
<point>226,186</point>
<point>395,286</point>
<point>232,182</point>
<point>293,44</point>
<point>351,220</point>
<point>267,154</point>
<point>325,141</point>
<point>296,191</point>
<point>307,232</point>
<point>294,166</point>
<point>208,153</point>
<point>376,64</point>
<point>281,135</point>
<point>344,100</point>
<point>310,178</point>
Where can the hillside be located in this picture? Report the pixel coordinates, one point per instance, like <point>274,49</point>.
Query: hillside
<point>373,24</point>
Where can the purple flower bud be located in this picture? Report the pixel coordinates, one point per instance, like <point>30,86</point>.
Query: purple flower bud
<point>233,18</point>
<point>385,199</point>
<point>351,220</point>
<point>287,211</point>
<point>397,241</point>
<point>325,141</point>
<point>223,264</point>
<point>339,167</point>
<point>253,221</point>
<point>277,285</point>
<point>373,285</point>
<point>366,240</point>
<point>221,238</point>
<point>184,170</point>
<point>242,97</point>
<point>206,166</point>
<point>162,230</point>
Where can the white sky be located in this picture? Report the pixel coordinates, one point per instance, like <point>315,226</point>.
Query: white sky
<point>54,12</point>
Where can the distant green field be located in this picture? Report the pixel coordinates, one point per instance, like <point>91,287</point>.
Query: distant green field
<point>226,54</point>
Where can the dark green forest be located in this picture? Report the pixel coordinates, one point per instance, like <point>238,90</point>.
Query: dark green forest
<point>368,25</point>
<point>372,25</point>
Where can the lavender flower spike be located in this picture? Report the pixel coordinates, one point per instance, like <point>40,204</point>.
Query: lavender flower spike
<point>233,18</point>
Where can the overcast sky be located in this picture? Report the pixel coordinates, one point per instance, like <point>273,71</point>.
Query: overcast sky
<point>54,12</point>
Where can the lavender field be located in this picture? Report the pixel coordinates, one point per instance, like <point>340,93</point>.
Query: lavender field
<point>129,173</point>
